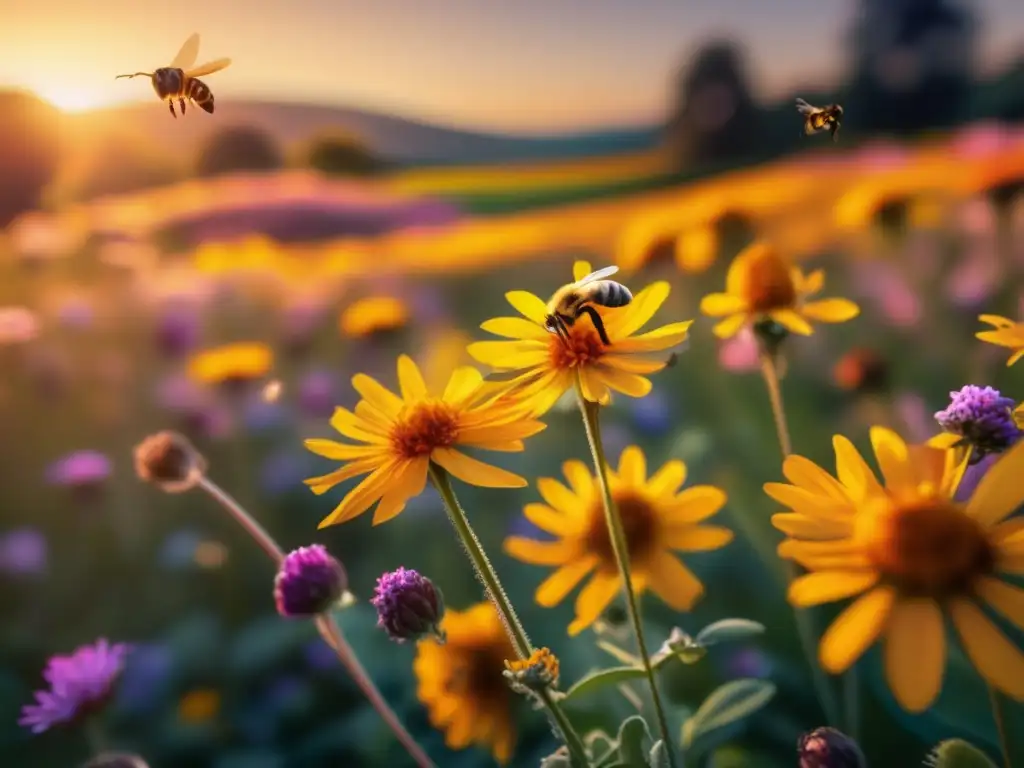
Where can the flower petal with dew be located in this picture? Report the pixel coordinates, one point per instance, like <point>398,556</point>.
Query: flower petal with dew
<point>1004,333</point>
<point>762,285</point>
<point>231,363</point>
<point>909,555</point>
<point>400,435</point>
<point>657,517</point>
<point>541,367</point>
<point>461,682</point>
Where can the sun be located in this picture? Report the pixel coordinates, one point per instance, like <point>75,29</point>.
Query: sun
<point>67,98</point>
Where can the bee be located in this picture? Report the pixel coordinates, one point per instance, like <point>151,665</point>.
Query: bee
<point>817,119</point>
<point>576,299</point>
<point>179,81</point>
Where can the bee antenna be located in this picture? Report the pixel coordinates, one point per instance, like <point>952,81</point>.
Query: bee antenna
<point>137,74</point>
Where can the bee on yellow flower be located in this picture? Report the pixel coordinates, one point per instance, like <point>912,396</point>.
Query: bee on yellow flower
<point>1004,333</point>
<point>910,555</point>
<point>542,366</point>
<point>231,364</point>
<point>402,435</point>
<point>656,516</point>
<point>461,682</point>
<point>761,285</point>
<point>373,315</point>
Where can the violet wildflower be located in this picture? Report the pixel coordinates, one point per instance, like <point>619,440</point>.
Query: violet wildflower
<point>308,582</point>
<point>177,330</point>
<point>829,748</point>
<point>80,685</point>
<point>84,472</point>
<point>983,418</point>
<point>23,552</point>
<point>116,760</point>
<point>408,605</point>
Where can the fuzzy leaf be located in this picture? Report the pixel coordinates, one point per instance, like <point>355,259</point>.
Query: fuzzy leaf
<point>957,753</point>
<point>727,704</point>
<point>632,734</point>
<point>728,629</point>
<point>658,758</point>
<point>602,678</point>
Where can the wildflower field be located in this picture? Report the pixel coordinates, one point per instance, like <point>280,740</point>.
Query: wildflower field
<point>275,501</point>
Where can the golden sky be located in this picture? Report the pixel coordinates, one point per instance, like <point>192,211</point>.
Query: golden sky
<point>527,65</point>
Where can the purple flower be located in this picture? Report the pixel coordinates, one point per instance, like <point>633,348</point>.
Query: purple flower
<point>983,418</point>
<point>829,748</point>
<point>409,606</point>
<point>316,394</point>
<point>80,685</point>
<point>308,582</point>
<point>81,469</point>
<point>23,552</point>
<point>177,330</point>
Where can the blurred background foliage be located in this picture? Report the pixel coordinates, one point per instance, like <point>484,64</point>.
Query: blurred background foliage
<point>128,256</point>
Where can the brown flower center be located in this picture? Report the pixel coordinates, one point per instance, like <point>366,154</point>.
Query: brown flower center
<point>583,347</point>
<point>639,524</point>
<point>768,284</point>
<point>929,548</point>
<point>477,675</point>
<point>423,427</point>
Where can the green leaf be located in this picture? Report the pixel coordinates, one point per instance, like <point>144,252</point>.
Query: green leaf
<point>603,678</point>
<point>658,758</point>
<point>632,734</point>
<point>957,753</point>
<point>621,655</point>
<point>728,629</point>
<point>727,704</point>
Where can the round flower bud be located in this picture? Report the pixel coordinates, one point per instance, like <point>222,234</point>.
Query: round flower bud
<point>983,417</point>
<point>169,461</point>
<point>829,748</point>
<point>308,582</point>
<point>409,606</point>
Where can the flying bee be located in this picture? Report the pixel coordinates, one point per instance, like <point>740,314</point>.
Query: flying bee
<point>576,299</point>
<point>817,119</point>
<point>179,80</point>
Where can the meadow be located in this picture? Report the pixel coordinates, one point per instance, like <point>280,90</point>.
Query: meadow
<point>155,311</point>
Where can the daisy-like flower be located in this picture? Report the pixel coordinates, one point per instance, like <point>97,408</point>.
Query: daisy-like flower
<point>372,315</point>
<point>402,435</point>
<point>231,364</point>
<point>762,285</point>
<point>656,516</point>
<point>81,684</point>
<point>911,554</point>
<point>1004,333</point>
<point>462,685</point>
<point>542,367</point>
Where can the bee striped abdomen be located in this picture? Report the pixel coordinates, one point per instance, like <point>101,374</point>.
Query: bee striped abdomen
<point>611,294</point>
<point>200,95</point>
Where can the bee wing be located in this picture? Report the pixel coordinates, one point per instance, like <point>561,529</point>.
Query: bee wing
<point>187,55</point>
<point>804,108</point>
<point>209,68</point>
<point>601,274</point>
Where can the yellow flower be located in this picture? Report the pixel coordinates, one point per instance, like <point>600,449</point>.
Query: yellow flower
<point>656,517</point>
<point>374,314</point>
<point>544,366</point>
<point>1018,416</point>
<point>199,706</point>
<point>461,682</point>
<point>761,284</point>
<point>231,363</point>
<point>696,249</point>
<point>402,435</point>
<point>1005,333</point>
<point>910,554</point>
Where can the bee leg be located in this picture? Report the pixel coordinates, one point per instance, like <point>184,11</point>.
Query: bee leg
<point>181,103</point>
<point>598,324</point>
<point>561,329</point>
<point>170,105</point>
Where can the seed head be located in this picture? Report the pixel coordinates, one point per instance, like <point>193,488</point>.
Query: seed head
<point>534,674</point>
<point>169,461</point>
<point>308,582</point>
<point>408,605</point>
<point>829,748</point>
<point>983,418</point>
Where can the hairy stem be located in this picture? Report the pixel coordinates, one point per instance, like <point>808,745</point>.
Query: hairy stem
<point>995,702</point>
<point>496,594</point>
<point>592,424</point>
<point>325,624</point>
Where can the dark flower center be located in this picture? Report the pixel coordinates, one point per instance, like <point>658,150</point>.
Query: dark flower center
<point>477,675</point>
<point>424,427</point>
<point>768,284</point>
<point>638,524</point>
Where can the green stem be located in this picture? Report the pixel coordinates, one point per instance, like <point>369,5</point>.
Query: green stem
<point>805,628</point>
<point>94,737</point>
<point>592,424</point>
<point>496,594</point>
<point>995,702</point>
<point>325,624</point>
<point>851,703</point>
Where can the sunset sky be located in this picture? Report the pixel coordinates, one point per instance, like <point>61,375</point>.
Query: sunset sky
<point>520,65</point>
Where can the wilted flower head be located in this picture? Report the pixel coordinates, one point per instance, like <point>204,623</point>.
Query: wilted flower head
<point>408,605</point>
<point>829,748</point>
<point>169,461</point>
<point>308,582</point>
<point>982,417</point>
<point>534,674</point>
<point>82,471</point>
<point>116,760</point>
<point>80,685</point>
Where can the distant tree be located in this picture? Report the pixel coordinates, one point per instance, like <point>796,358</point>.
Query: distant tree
<point>714,120</point>
<point>340,154</point>
<point>239,148</point>
<point>913,65</point>
<point>30,151</point>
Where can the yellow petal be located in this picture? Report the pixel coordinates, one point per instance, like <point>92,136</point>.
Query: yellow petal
<point>330,449</point>
<point>993,655</point>
<point>656,340</point>
<point>515,328</point>
<point>377,395</point>
<point>643,307</point>
<point>632,466</point>
<point>531,307</point>
<point>462,384</point>
<point>580,480</point>
<point>1015,357</point>
<point>551,520</point>
<point>666,481</point>
<point>555,587</point>
<point>1005,598</point>
<point>792,321</point>
<point>581,269</point>
<point>855,630</point>
<point>811,283</point>
<point>730,326</point>
<point>829,586</point>
<point>806,474</point>
<point>499,432</point>
<point>632,364</point>
<point>673,582</point>
<point>997,321</point>
<point>695,504</point>
<point>851,469</point>
<point>559,497</point>
<point>915,653</point>
<point>892,456</point>
<point>407,481</point>
<point>1000,491</point>
<point>324,483</point>
<point>355,427</point>
<point>593,386</point>
<point>474,471</point>
<point>829,555</point>
<point>697,538</point>
<point>831,310</point>
<point>360,498</point>
<point>816,528</point>
<point>540,552</point>
<point>593,599</point>
<point>509,355</point>
<point>722,304</point>
<point>410,380</point>
<point>628,384</point>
